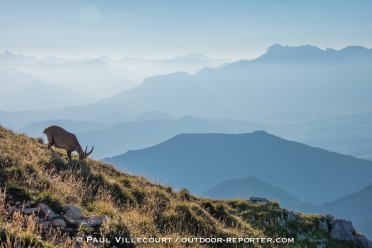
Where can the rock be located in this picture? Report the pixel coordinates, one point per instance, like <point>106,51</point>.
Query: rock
<point>45,224</point>
<point>291,216</point>
<point>325,217</point>
<point>59,223</point>
<point>342,229</point>
<point>46,210</point>
<point>2,196</point>
<point>30,210</point>
<point>9,210</point>
<point>281,222</point>
<point>80,234</point>
<point>18,202</point>
<point>323,225</point>
<point>103,218</point>
<point>259,200</point>
<point>81,223</point>
<point>363,241</point>
<point>93,221</point>
<point>72,212</point>
<point>300,237</point>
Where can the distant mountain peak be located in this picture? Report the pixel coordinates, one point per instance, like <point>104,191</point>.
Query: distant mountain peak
<point>8,53</point>
<point>304,48</point>
<point>193,56</point>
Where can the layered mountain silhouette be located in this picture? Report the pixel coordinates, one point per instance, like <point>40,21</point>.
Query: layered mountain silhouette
<point>200,161</point>
<point>12,80</point>
<point>294,78</point>
<point>93,77</point>
<point>284,79</point>
<point>92,113</point>
<point>141,134</point>
<point>252,186</point>
<point>154,115</point>
<point>40,95</point>
<point>11,60</point>
<point>351,134</point>
<point>36,129</point>
<point>190,63</point>
<point>176,94</point>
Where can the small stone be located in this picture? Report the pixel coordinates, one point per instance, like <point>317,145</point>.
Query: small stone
<point>94,222</point>
<point>102,218</point>
<point>259,200</point>
<point>2,196</point>
<point>46,224</point>
<point>10,197</point>
<point>80,234</point>
<point>72,212</point>
<point>81,223</point>
<point>18,202</point>
<point>58,223</point>
<point>30,210</point>
<point>11,209</point>
<point>46,210</point>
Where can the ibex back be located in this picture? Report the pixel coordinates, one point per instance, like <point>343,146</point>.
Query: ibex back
<point>60,138</point>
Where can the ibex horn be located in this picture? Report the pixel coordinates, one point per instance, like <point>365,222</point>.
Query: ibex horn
<point>87,154</point>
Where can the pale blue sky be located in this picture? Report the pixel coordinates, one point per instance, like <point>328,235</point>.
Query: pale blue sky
<point>164,29</point>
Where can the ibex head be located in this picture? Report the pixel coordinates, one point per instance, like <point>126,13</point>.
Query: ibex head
<point>83,154</point>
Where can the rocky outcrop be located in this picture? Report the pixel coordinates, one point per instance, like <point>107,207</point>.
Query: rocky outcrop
<point>337,228</point>
<point>67,224</point>
<point>342,229</point>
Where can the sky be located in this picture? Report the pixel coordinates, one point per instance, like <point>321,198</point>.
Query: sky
<point>233,29</point>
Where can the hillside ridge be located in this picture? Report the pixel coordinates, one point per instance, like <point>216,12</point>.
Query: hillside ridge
<point>136,208</point>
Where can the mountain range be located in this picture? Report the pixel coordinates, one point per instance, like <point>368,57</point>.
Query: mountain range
<point>176,94</point>
<point>200,161</point>
<point>133,135</point>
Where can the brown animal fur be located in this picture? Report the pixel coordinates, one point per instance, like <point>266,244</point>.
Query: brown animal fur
<point>60,138</point>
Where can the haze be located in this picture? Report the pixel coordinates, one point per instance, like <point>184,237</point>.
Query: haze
<point>164,29</point>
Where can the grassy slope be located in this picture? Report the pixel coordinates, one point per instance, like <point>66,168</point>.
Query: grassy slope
<point>136,206</point>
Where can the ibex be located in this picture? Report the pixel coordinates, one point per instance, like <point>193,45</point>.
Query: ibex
<point>60,138</point>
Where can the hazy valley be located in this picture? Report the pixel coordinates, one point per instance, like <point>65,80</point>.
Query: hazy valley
<point>293,125</point>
